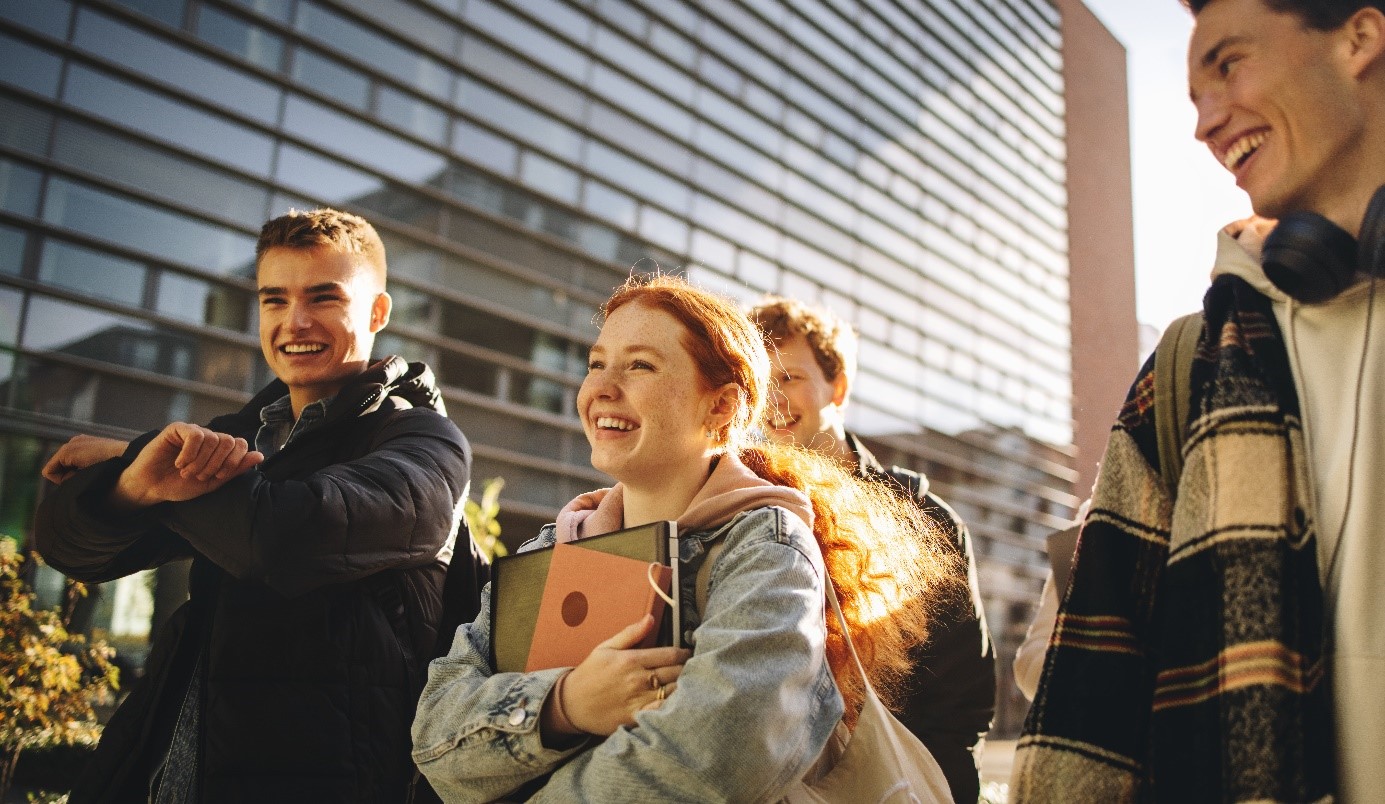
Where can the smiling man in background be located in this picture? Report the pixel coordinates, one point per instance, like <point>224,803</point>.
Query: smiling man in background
<point>951,698</point>
<point>321,519</point>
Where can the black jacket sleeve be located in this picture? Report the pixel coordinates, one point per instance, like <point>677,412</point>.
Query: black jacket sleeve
<point>951,701</point>
<point>80,536</point>
<point>396,506</point>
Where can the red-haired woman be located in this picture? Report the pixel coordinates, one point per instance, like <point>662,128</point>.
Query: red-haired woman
<point>676,385</point>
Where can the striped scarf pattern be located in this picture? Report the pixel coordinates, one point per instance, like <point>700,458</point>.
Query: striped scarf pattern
<point>1188,662</point>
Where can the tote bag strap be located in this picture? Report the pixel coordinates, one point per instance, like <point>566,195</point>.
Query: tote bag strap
<point>881,763</point>
<point>846,632</point>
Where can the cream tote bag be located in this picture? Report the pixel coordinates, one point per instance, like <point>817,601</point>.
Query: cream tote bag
<point>881,763</point>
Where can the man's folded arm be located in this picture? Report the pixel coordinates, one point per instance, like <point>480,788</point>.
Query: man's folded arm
<point>394,507</point>
<point>79,534</point>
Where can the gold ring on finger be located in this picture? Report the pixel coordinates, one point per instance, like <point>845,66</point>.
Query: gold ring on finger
<point>660,694</point>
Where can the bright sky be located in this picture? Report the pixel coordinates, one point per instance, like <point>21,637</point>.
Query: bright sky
<point>1182,196</point>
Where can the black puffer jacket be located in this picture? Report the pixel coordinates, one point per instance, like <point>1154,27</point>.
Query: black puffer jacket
<point>316,595</point>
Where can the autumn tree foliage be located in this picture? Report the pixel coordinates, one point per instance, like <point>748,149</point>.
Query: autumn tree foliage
<point>50,679</point>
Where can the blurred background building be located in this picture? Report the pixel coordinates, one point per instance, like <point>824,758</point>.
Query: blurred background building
<point>951,176</point>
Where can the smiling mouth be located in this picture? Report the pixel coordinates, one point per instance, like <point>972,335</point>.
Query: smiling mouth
<point>783,423</point>
<point>612,423</point>
<point>302,348</point>
<point>1242,149</point>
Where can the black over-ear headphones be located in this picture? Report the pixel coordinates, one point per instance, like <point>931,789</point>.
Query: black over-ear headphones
<point>1313,259</point>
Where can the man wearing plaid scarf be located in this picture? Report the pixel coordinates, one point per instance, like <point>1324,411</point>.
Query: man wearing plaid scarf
<point>1221,638</point>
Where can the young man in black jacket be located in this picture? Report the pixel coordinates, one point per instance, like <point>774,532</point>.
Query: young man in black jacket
<point>321,520</point>
<point>951,701</point>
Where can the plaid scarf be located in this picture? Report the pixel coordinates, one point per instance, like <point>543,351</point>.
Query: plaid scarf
<point>1188,661</point>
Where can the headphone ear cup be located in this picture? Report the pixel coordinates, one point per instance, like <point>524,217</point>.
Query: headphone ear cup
<point>1309,257</point>
<point>1372,238</point>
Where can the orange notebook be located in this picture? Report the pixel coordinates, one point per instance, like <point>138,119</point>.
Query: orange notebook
<point>590,596</point>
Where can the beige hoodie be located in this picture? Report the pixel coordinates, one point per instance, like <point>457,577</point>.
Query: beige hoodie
<point>1337,355</point>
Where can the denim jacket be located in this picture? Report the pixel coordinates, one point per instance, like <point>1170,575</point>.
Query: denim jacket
<point>753,709</point>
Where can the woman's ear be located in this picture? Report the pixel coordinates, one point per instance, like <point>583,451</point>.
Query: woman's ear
<point>726,402</point>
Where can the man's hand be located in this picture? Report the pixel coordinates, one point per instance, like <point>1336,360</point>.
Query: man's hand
<point>80,452</point>
<point>182,462</point>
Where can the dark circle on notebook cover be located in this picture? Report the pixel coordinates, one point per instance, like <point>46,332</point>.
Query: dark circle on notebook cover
<point>574,609</point>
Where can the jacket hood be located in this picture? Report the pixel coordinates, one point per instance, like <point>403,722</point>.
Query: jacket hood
<point>397,379</point>
<point>1238,254</point>
<point>392,381</point>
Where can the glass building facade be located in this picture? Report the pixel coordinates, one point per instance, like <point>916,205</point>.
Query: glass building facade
<point>900,162</point>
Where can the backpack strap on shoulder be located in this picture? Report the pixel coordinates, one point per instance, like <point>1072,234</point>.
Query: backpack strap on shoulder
<point>1173,362</point>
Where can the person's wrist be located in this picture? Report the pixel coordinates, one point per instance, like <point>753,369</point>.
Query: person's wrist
<point>125,497</point>
<point>561,721</point>
<point>557,729</point>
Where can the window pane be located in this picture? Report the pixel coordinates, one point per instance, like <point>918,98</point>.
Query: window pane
<point>157,171</point>
<point>10,301</point>
<point>518,119</point>
<point>281,10</point>
<point>322,177</point>
<point>24,126</point>
<point>533,83</point>
<point>169,12</point>
<point>45,16</point>
<point>75,329</point>
<point>413,24</point>
<point>19,186</point>
<point>202,302</point>
<point>251,42</point>
<point>548,176</point>
<point>418,117</point>
<point>405,206</point>
<point>380,52</point>
<point>170,64</point>
<point>643,102</point>
<point>330,77</point>
<point>362,142</point>
<point>12,243</point>
<point>649,67</point>
<point>162,118</point>
<point>28,67</point>
<point>390,344</point>
<point>92,272</point>
<point>81,331</point>
<point>637,177</point>
<point>484,147</point>
<point>526,38</point>
<point>464,371</point>
<point>140,226</point>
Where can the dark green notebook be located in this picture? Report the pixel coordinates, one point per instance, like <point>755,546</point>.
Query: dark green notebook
<point>517,589</point>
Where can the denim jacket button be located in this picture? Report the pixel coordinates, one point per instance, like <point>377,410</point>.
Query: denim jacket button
<point>517,717</point>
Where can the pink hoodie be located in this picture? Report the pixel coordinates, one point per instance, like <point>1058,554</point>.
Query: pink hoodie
<point>730,489</point>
